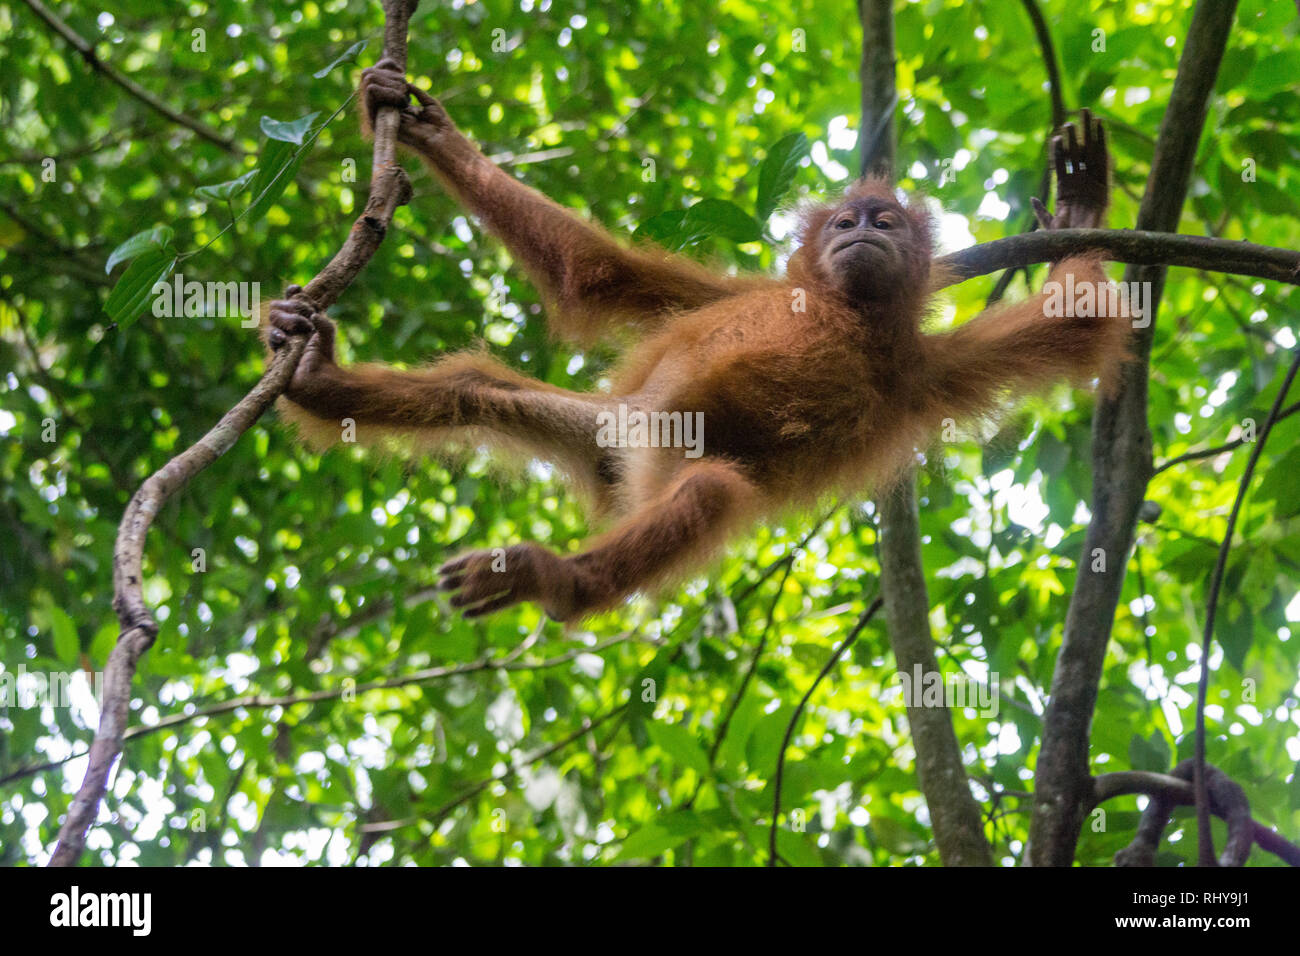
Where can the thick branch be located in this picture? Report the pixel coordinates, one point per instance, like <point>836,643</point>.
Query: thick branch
<point>958,825</point>
<point>1122,245</point>
<point>879,134</point>
<point>138,626</point>
<point>1167,792</point>
<point>1121,460</point>
<point>107,70</point>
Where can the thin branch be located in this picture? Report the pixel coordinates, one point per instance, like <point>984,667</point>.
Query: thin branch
<point>787,563</point>
<point>1049,61</point>
<point>87,51</point>
<point>1205,841</point>
<point>1058,120</point>
<point>265,701</point>
<point>587,727</point>
<point>1121,245</point>
<point>759,648</point>
<point>138,625</point>
<point>1217,450</point>
<point>863,620</point>
<point>107,141</point>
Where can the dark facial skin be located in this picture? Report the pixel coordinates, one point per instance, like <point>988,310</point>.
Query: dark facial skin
<point>864,245</point>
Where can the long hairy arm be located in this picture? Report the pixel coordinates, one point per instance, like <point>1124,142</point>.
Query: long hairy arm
<point>1025,347</point>
<point>589,279</point>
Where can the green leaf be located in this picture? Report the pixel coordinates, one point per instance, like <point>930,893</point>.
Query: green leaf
<point>663,834</point>
<point>155,238</point>
<point>288,132</point>
<point>663,228</point>
<point>229,189</point>
<point>274,173</point>
<point>103,642</point>
<point>676,228</point>
<point>647,688</point>
<point>778,170</point>
<point>797,849</point>
<point>647,842</point>
<point>1236,633</point>
<point>719,217</point>
<point>1150,753</point>
<point>679,744</point>
<point>136,283</point>
<point>747,715</point>
<point>766,739</point>
<point>347,56</point>
<point>66,643</point>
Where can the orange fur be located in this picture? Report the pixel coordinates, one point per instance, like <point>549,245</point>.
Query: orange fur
<point>797,403</point>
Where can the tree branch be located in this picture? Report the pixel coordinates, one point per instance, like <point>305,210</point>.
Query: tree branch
<point>779,777</point>
<point>956,818</point>
<point>1167,792</point>
<point>1058,120</point>
<point>1199,453</point>
<point>1044,37</point>
<point>265,701</point>
<point>1204,838</point>
<point>1121,245</point>
<point>107,70</point>
<point>138,626</point>
<point>389,185</point>
<point>1121,459</point>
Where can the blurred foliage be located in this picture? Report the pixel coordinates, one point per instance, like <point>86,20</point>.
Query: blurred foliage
<point>314,569</point>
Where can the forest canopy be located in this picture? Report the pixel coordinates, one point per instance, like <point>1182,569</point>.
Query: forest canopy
<point>310,697</point>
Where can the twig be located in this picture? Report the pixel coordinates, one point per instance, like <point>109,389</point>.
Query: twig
<point>1217,449</point>
<point>265,702</point>
<point>863,620</point>
<point>138,626</point>
<point>1049,61</point>
<point>1058,120</point>
<point>87,51</point>
<point>587,727</point>
<point>1205,842</point>
<point>787,562</point>
<point>759,648</point>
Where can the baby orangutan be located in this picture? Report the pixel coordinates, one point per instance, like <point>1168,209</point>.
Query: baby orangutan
<point>814,384</point>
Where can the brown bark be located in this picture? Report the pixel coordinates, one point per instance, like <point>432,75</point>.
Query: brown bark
<point>1121,456</point>
<point>138,626</point>
<point>1131,246</point>
<point>954,814</point>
